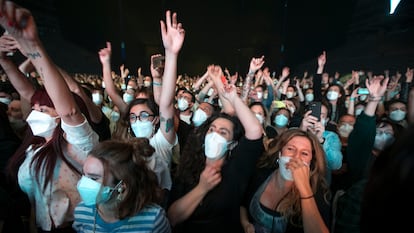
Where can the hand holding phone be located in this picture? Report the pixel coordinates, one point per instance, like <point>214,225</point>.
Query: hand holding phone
<point>158,62</point>
<point>315,107</point>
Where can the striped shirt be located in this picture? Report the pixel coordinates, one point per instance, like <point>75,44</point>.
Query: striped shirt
<point>150,219</point>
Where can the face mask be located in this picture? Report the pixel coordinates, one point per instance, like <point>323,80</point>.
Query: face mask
<point>289,94</point>
<point>383,140</point>
<point>265,95</point>
<point>309,97</point>
<point>260,118</point>
<point>259,95</point>
<point>306,86</point>
<point>41,124</point>
<point>147,83</point>
<point>215,146</point>
<point>103,85</point>
<point>130,87</point>
<point>323,121</point>
<point>281,120</point>
<point>358,111</point>
<point>182,104</point>
<point>123,86</point>
<point>210,91</point>
<point>115,116</point>
<point>397,115</point>
<point>347,103</point>
<point>199,117</point>
<point>142,129</point>
<point>362,97</point>
<point>89,191</point>
<point>97,98</point>
<point>332,95</point>
<point>345,130</point>
<point>127,98</point>
<point>284,172</point>
<point>5,100</point>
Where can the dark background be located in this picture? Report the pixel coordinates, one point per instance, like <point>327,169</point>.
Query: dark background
<point>357,34</point>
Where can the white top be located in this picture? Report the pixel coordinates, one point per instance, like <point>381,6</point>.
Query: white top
<point>55,205</point>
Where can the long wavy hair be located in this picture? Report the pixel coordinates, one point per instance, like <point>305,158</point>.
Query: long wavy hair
<point>44,161</point>
<point>124,160</point>
<point>192,159</point>
<point>290,206</point>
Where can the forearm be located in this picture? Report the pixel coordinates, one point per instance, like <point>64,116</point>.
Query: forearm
<point>55,85</point>
<point>252,127</point>
<point>111,89</point>
<point>17,79</point>
<point>312,219</point>
<point>184,207</point>
<point>26,66</point>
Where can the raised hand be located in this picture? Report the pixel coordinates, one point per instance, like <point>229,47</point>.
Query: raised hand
<point>172,33</point>
<point>105,53</point>
<point>256,63</point>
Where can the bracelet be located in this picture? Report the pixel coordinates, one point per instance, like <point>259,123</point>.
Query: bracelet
<point>157,84</point>
<point>308,197</point>
<point>351,99</point>
<point>375,98</point>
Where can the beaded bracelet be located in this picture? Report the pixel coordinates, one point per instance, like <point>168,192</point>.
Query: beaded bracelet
<point>308,197</point>
<point>375,98</point>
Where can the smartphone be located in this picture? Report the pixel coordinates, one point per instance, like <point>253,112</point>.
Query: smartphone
<point>158,62</point>
<point>315,107</point>
<point>363,91</point>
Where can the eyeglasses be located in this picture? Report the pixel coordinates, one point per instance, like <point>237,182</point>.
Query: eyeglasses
<point>143,116</point>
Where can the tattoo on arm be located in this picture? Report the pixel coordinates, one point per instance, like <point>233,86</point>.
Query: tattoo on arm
<point>169,123</point>
<point>34,55</point>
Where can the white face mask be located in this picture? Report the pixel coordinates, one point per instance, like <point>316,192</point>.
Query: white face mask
<point>127,98</point>
<point>345,130</point>
<point>309,97</point>
<point>215,146</point>
<point>210,91</point>
<point>260,118</point>
<point>5,100</point>
<point>281,121</point>
<point>182,104</point>
<point>199,117</point>
<point>123,86</point>
<point>284,172</point>
<point>397,115</point>
<point>306,86</point>
<point>41,124</point>
<point>259,95</point>
<point>97,98</point>
<point>115,116</point>
<point>383,140</point>
<point>142,129</point>
<point>323,121</point>
<point>290,94</point>
<point>147,83</point>
<point>332,95</point>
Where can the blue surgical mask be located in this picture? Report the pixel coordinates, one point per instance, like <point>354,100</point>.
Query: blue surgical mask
<point>5,100</point>
<point>309,97</point>
<point>281,121</point>
<point>115,116</point>
<point>142,129</point>
<point>92,191</point>
<point>332,95</point>
<point>383,140</point>
<point>127,98</point>
<point>97,98</point>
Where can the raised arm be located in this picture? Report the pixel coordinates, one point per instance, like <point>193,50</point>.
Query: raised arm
<point>173,35</point>
<point>105,58</point>
<point>23,86</point>
<point>21,25</point>
<point>255,64</point>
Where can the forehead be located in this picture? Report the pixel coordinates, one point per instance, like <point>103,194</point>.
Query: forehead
<point>93,166</point>
<point>138,108</point>
<point>347,119</point>
<point>334,88</point>
<point>284,112</point>
<point>257,108</point>
<point>206,107</point>
<point>223,123</point>
<point>386,127</point>
<point>300,142</point>
<point>397,105</point>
